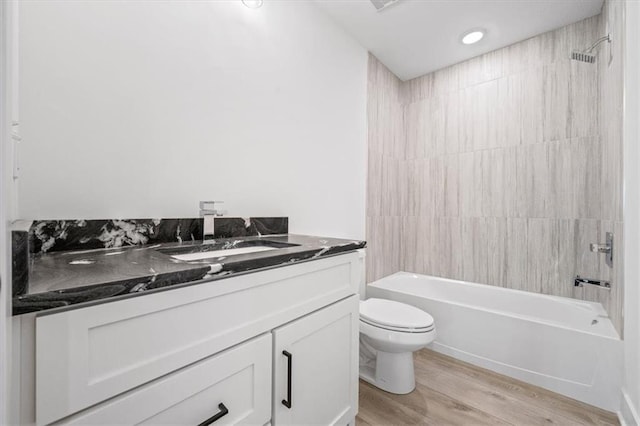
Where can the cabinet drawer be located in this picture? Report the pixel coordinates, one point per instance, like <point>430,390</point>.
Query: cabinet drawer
<point>88,355</point>
<point>237,381</point>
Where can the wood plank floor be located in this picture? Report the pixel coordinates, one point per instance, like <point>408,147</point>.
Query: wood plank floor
<point>452,392</point>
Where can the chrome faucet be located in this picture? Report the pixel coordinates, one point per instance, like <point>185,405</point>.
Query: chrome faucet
<point>580,282</point>
<point>209,212</point>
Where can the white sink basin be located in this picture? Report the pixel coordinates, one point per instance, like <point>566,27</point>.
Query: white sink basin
<point>221,253</point>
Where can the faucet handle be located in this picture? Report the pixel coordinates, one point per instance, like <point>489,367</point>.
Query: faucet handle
<point>606,248</point>
<point>600,248</point>
<point>204,204</point>
<point>207,208</point>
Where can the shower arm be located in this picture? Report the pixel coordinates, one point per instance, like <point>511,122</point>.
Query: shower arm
<point>600,40</point>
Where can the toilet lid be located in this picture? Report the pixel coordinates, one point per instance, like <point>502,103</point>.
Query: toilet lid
<point>388,313</point>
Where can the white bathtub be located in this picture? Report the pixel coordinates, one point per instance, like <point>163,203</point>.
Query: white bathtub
<point>561,344</point>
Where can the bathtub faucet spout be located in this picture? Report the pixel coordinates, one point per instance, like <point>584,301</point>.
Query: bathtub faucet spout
<point>580,282</point>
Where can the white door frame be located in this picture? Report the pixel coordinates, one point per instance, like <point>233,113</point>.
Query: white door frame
<point>8,108</point>
<point>629,410</point>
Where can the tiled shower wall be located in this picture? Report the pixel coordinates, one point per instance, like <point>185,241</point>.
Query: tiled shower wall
<point>610,104</point>
<point>386,146</point>
<point>501,169</point>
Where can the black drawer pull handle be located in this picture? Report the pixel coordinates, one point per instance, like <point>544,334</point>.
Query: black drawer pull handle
<point>223,412</point>
<point>287,402</point>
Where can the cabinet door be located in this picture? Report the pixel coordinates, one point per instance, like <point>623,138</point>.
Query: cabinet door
<point>233,387</point>
<point>316,367</point>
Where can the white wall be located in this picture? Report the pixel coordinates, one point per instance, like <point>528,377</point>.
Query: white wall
<point>631,387</point>
<point>141,109</point>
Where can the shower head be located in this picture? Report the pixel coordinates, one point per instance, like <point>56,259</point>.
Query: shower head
<point>589,58</point>
<point>587,55</point>
<point>381,5</point>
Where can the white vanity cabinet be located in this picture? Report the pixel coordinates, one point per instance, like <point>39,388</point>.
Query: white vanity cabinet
<point>204,352</point>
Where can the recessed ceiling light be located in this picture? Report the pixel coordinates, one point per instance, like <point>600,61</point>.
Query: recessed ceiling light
<point>252,4</point>
<point>473,36</point>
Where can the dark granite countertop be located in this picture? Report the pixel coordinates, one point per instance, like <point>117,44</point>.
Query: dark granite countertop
<point>64,279</point>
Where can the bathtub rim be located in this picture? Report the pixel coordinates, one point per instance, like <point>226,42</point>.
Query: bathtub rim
<point>596,307</point>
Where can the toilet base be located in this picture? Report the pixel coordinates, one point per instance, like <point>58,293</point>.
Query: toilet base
<point>393,372</point>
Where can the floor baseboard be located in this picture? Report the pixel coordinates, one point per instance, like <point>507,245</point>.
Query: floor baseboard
<point>628,415</point>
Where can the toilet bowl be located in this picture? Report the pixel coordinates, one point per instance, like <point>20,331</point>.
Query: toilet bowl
<point>389,334</point>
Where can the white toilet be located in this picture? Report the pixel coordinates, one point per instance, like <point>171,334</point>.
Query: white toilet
<point>389,334</point>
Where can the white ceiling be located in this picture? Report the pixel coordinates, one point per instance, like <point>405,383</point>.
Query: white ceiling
<point>415,37</point>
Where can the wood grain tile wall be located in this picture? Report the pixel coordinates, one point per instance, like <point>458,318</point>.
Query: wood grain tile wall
<point>386,151</point>
<point>502,169</point>
<point>610,69</point>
